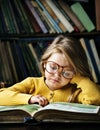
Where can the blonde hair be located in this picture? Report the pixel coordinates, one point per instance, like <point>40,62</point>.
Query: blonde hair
<point>73,51</point>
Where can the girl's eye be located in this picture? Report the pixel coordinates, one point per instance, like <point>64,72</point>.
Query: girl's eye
<point>67,74</point>
<point>53,67</point>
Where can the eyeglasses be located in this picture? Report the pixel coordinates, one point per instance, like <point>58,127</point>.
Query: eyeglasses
<point>52,67</point>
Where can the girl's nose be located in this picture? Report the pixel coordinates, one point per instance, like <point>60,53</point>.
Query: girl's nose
<point>59,72</point>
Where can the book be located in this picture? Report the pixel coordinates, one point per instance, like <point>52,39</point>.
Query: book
<point>95,53</point>
<point>53,112</point>
<point>52,25</point>
<point>65,15</point>
<point>25,20</point>
<point>72,15</point>
<point>13,17</point>
<point>3,27</point>
<point>6,72</point>
<point>97,43</point>
<point>2,73</point>
<point>18,17</point>
<point>33,52</point>
<point>83,43</point>
<point>31,18</point>
<point>9,64</point>
<point>36,16</point>
<point>83,16</point>
<point>44,17</point>
<point>18,60</point>
<point>59,14</point>
<point>9,19</point>
<point>12,63</point>
<point>97,14</point>
<point>88,45</point>
<point>51,16</point>
<point>5,17</point>
<point>29,59</point>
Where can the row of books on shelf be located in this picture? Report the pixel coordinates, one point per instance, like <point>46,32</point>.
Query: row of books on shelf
<point>20,58</point>
<point>43,16</point>
<point>89,46</point>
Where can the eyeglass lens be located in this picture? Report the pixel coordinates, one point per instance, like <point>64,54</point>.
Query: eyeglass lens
<point>52,68</point>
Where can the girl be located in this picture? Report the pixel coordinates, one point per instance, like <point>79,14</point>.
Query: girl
<point>65,77</point>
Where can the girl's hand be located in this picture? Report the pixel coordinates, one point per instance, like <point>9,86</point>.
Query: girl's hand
<point>38,99</point>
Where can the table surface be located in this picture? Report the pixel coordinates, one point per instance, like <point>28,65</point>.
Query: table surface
<point>51,126</point>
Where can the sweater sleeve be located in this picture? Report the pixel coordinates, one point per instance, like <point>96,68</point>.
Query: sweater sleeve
<point>90,93</point>
<point>19,93</point>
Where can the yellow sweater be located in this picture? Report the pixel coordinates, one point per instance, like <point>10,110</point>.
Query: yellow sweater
<point>20,93</point>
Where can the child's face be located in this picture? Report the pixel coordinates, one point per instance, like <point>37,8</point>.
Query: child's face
<point>58,71</point>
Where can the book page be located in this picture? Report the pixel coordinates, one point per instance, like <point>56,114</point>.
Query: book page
<point>29,108</point>
<point>72,107</point>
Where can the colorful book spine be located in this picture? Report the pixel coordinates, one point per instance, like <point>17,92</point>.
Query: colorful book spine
<point>43,16</point>
<point>83,16</point>
<point>71,15</point>
<point>65,22</point>
<point>65,15</point>
<point>35,14</point>
<point>54,17</point>
<point>32,19</point>
<point>49,16</point>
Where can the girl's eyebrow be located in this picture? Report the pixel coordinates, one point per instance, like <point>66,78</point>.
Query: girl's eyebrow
<point>61,65</point>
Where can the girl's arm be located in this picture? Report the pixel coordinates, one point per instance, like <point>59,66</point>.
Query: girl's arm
<point>90,93</point>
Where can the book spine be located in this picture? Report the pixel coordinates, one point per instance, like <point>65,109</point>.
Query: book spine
<point>95,53</point>
<point>34,53</point>
<point>65,15</point>
<point>18,17</point>
<point>42,15</point>
<point>97,14</point>
<point>3,73</point>
<point>49,17</point>
<point>13,17</point>
<point>5,18</point>
<point>2,23</point>
<point>65,22</point>
<point>31,18</point>
<point>34,13</point>
<point>16,59</point>
<point>92,69</point>
<point>83,16</point>
<point>12,63</point>
<point>54,17</point>
<point>92,58</point>
<point>26,21</point>
<point>72,15</point>
<point>9,20</point>
<point>5,61</point>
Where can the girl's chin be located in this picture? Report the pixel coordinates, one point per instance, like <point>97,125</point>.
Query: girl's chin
<point>53,86</point>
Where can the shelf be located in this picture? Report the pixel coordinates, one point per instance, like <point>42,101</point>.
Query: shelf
<point>14,36</point>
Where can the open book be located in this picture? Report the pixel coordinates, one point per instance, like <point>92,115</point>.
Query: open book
<point>54,112</point>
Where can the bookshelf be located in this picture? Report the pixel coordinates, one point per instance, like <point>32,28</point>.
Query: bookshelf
<point>35,22</point>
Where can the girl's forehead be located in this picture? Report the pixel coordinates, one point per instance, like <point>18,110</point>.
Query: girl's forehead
<point>59,58</point>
